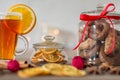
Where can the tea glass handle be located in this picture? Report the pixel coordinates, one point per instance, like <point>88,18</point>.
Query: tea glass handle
<point>25,40</point>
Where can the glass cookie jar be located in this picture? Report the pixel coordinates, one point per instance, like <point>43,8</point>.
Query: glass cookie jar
<point>101,41</point>
<point>49,51</point>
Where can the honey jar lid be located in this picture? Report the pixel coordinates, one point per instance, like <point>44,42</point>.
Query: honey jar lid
<point>49,43</point>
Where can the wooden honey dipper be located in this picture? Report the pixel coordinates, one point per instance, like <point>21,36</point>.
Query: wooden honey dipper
<point>14,65</point>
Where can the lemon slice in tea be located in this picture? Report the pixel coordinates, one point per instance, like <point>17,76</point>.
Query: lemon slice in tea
<point>28,18</point>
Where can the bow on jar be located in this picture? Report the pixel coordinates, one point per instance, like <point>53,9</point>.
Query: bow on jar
<point>103,14</point>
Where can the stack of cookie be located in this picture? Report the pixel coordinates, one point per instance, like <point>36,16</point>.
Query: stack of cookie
<point>100,41</point>
<point>101,45</point>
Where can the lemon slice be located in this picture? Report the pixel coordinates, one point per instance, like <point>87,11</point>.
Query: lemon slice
<point>28,18</point>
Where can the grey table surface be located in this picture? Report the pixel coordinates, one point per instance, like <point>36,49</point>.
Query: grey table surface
<point>13,76</point>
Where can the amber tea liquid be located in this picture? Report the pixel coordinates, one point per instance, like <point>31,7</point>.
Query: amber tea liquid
<point>8,38</point>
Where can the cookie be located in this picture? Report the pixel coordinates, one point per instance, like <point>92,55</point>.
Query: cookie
<point>87,44</point>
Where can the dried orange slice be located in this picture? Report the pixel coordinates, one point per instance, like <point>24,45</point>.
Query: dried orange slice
<point>59,53</point>
<point>69,70</point>
<point>31,72</point>
<point>28,18</point>
<point>52,66</point>
<point>61,59</point>
<point>55,69</point>
<point>63,70</point>
<point>51,57</point>
<point>48,50</point>
<point>36,60</point>
<point>82,73</point>
<point>38,54</point>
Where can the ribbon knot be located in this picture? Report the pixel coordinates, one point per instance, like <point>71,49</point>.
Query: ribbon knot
<point>103,14</point>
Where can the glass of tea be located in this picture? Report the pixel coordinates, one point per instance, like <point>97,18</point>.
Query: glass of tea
<point>9,38</point>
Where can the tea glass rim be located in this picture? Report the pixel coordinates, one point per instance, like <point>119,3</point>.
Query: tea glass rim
<point>3,14</point>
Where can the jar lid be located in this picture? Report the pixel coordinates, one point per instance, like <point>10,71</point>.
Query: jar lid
<point>99,10</point>
<point>49,43</point>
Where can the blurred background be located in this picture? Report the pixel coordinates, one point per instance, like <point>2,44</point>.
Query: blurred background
<point>59,18</point>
